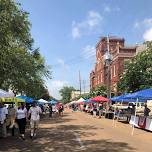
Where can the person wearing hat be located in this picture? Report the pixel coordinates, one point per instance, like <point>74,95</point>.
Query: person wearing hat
<point>34,114</point>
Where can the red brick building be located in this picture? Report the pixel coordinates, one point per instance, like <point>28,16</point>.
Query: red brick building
<point>119,52</point>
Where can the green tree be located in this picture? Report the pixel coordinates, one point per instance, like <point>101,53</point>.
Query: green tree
<point>138,73</point>
<point>65,92</point>
<point>100,90</point>
<point>22,68</point>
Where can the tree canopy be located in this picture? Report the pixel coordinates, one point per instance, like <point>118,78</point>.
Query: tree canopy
<point>22,68</point>
<point>65,92</point>
<point>138,73</point>
<point>100,90</point>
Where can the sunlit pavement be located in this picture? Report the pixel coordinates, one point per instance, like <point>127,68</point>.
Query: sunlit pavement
<point>80,132</point>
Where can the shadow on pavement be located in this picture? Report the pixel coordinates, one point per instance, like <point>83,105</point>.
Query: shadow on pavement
<point>55,119</point>
<point>107,146</point>
<point>63,138</point>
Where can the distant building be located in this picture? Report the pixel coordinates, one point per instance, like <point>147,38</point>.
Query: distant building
<point>140,48</point>
<point>120,53</point>
<point>75,94</point>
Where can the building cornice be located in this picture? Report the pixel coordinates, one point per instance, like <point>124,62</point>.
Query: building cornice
<point>124,55</point>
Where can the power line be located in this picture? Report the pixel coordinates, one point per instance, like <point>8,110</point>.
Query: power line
<point>72,61</point>
<point>80,81</point>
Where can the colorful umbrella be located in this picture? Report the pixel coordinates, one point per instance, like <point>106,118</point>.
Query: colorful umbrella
<point>99,99</point>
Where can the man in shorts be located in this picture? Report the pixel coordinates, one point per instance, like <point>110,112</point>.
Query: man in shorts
<point>34,114</point>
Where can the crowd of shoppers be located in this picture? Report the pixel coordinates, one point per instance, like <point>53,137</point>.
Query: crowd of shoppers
<point>18,117</point>
<point>93,108</point>
<point>103,109</point>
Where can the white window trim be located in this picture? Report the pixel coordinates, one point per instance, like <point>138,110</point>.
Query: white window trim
<point>114,69</point>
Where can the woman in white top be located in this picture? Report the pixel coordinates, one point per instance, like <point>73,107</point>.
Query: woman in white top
<point>21,115</point>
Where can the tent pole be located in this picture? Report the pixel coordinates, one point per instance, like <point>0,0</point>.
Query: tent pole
<point>119,112</point>
<point>114,122</point>
<point>132,133</point>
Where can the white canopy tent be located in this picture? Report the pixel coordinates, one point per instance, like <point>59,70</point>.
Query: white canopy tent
<point>5,94</point>
<point>43,101</point>
<point>80,100</point>
<point>72,102</point>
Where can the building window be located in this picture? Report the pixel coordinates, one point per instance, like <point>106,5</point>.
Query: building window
<point>114,70</point>
<point>101,78</point>
<point>98,79</point>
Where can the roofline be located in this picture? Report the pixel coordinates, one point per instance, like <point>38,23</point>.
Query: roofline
<point>111,38</point>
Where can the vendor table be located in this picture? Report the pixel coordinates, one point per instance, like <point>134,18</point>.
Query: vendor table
<point>109,114</point>
<point>141,122</point>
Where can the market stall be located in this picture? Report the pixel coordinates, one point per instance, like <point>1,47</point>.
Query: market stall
<point>28,100</point>
<point>42,101</point>
<point>5,94</point>
<point>104,101</point>
<point>141,122</point>
<point>53,102</point>
<point>121,111</point>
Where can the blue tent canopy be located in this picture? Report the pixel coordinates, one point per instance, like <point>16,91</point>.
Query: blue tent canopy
<point>126,98</point>
<point>122,99</point>
<point>118,98</point>
<point>53,101</point>
<point>26,99</point>
<point>143,95</point>
<point>86,100</point>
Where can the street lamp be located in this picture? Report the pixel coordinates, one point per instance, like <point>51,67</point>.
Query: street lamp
<point>108,61</point>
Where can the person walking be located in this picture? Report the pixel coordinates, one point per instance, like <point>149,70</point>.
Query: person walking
<point>94,110</point>
<point>146,111</point>
<point>61,108</point>
<point>34,114</point>
<point>3,116</point>
<point>100,109</point>
<point>21,116</point>
<point>50,110</point>
<point>11,115</point>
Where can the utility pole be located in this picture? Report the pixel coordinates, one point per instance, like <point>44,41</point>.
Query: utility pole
<point>109,59</point>
<point>80,81</point>
<point>84,86</point>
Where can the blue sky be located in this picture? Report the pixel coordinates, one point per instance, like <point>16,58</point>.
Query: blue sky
<point>67,31</point>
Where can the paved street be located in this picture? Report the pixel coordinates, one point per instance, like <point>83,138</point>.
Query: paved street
<point>81,132</point>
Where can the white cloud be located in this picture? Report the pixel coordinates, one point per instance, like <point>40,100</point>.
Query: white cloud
<point>117,9</point>
<point>62,63</point>
<point>94,19</point>
<point>89,52</point>
<point>75,32</point>
<point>90,24</point>
<point>146,23</point>
<point>136,25</point>
<point>107,9</point>
<point>58,83</point>
<point>146,26</point>
<point>148,35</point>
<point>54,86</point>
